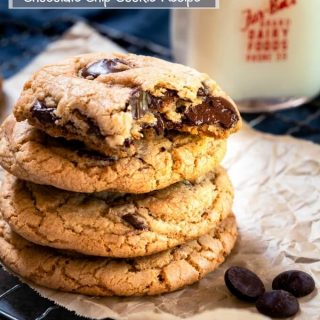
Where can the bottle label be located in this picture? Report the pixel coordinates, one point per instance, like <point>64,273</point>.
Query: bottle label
<point>267,32</point>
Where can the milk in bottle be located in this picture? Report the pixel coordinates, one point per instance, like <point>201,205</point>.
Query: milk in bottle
<point>264,53</point>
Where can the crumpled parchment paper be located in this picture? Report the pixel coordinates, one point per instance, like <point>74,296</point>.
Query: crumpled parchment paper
<point>277,203</point>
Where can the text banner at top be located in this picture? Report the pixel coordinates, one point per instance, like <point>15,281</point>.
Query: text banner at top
<point>112,4</point>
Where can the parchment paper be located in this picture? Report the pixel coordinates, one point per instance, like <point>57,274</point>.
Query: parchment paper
<point>277,203</point>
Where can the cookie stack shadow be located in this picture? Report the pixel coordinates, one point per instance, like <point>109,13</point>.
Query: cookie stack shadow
<point>142,209</point>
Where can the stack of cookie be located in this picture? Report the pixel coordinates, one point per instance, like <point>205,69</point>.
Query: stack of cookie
<point>114,185</point>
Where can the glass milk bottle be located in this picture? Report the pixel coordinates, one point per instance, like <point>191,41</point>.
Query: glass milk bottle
<point>264,53</point>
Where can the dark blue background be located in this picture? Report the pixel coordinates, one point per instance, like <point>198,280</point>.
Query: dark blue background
<point>25,33</point>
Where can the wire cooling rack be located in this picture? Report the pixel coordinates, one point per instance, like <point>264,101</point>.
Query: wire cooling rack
<point>17,300</point>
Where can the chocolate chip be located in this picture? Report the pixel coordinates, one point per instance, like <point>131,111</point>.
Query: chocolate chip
<point>42,113</point>
<point>202,92</point>
<point>135,221</point>
<point>243,283</point>
<point>155,103</point>
<point>213,110</point>
<point>139,103</point>
<point>128,142</point>
<point>160,125</point>
<point>169,125</point>
<point>277,304</point>
<point>103,66</point>
<point>296,282</point>
<point>160,278</point>
<point>181,109</point>
<point>170,94</point>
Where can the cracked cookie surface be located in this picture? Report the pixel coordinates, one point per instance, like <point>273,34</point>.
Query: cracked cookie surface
<point>108,101</point>
<point>159,273</point>
<point>113,224</point>
<point>31,155</point>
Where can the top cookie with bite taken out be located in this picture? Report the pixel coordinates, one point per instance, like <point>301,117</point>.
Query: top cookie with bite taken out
<point>109,100</point>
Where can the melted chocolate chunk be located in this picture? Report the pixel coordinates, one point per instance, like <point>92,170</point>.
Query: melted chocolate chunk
<point>296,282</point>
<point>155,103</point>
<point>42,113</point>
<point>277,304</point>
<point>213,110</point>
<point>135,221</point>
<point>243,283</point>
<point>103,66</point>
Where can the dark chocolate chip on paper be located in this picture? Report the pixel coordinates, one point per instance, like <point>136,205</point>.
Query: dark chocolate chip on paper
<point>243,283</point>
<point>296,282</point>
<point>277,304</point>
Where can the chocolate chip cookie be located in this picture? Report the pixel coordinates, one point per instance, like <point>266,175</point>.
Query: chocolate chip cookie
<point>113,224</point>
<point>109,100</point>
<point>32,155</point>
<point>159,273</point>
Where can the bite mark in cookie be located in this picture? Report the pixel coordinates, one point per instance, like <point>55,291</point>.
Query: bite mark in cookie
<point>211,111</point>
